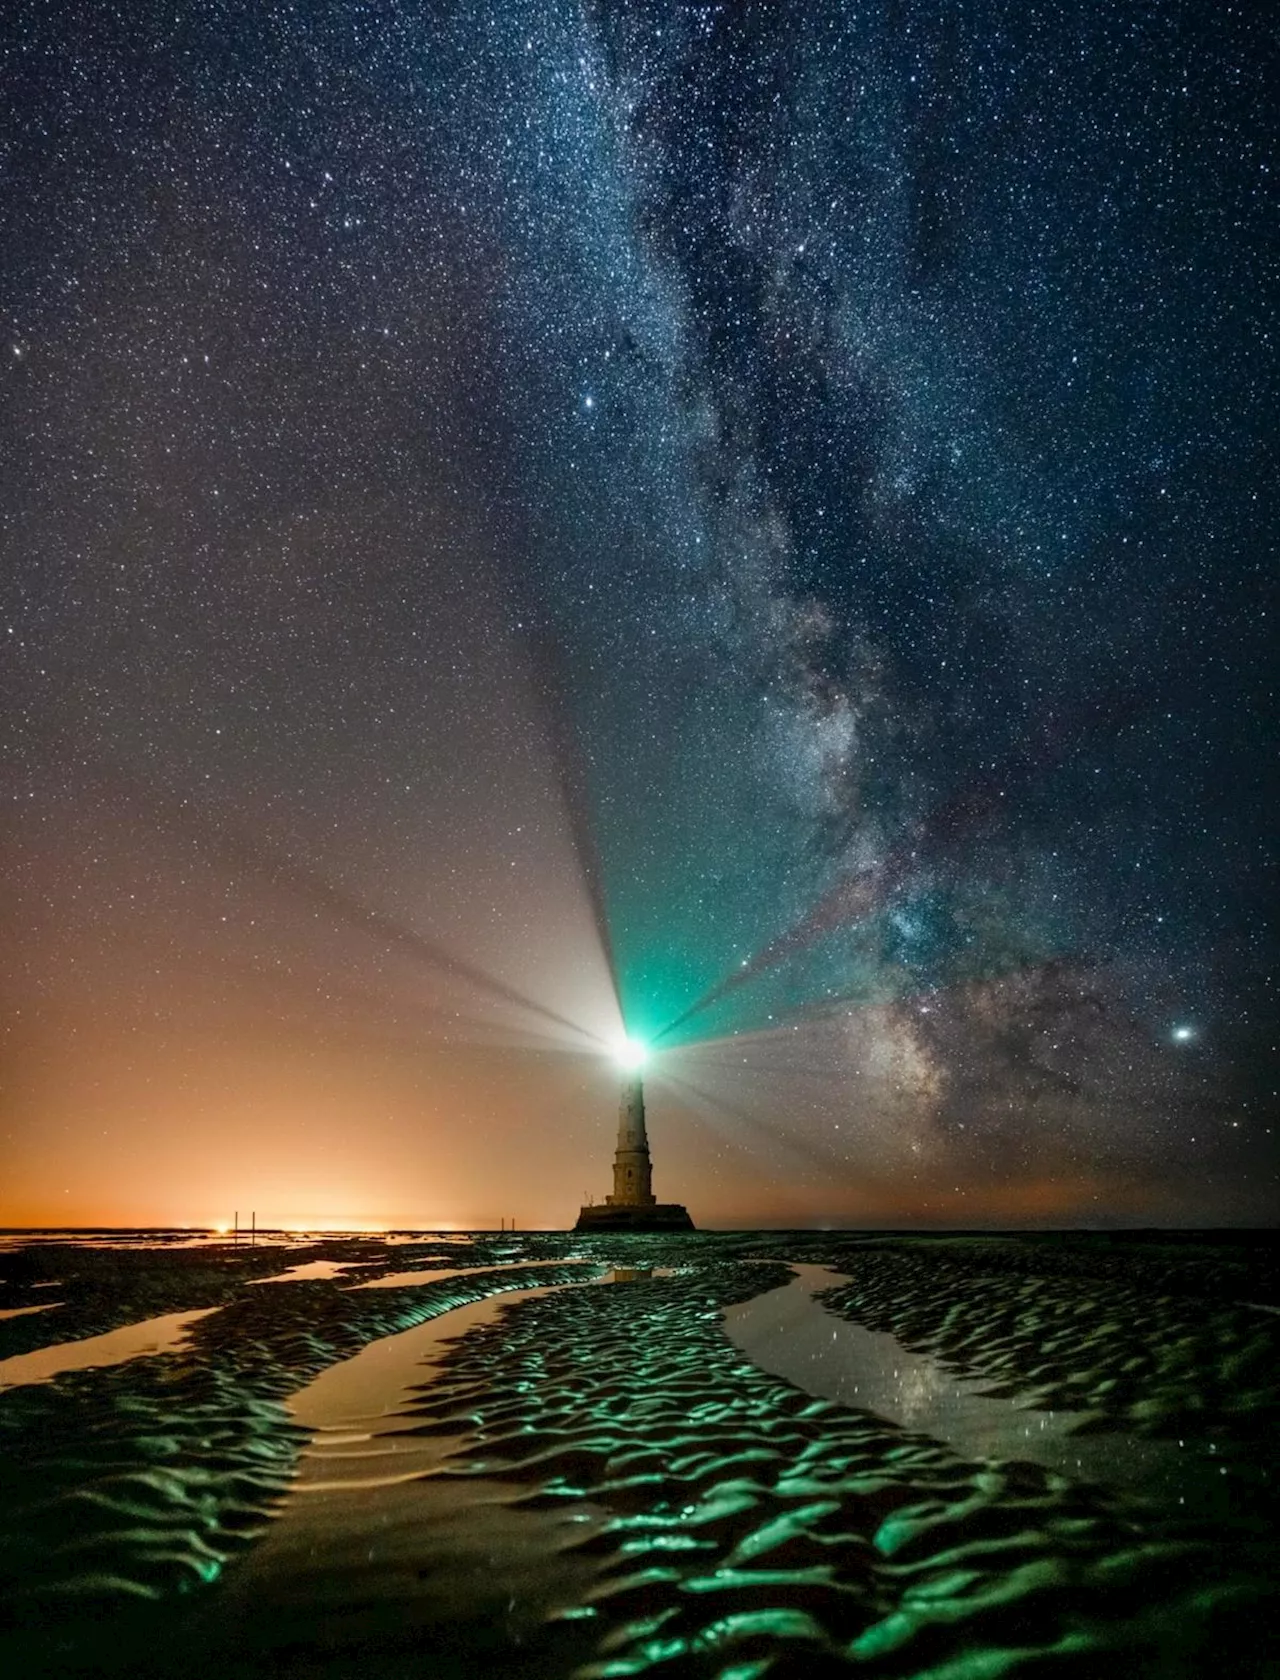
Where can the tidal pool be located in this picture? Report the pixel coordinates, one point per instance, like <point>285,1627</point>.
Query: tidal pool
<point>131,1341</point>
<point>22,1312</point>
<point>312,1269</point>
<point>356,1407</point>
<point>790,1334</point>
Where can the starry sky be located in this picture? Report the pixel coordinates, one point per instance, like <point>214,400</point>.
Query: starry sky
<point>746,524</point>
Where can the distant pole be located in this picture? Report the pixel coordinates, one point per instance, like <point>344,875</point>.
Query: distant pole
<point>253,1239</point>
<point>236,1238</point>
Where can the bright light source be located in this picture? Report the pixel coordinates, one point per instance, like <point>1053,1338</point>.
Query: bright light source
<point>630,1054</point>
<point>1183,1035</point>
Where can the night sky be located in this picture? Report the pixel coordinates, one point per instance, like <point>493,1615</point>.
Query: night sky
<point>747,523</point>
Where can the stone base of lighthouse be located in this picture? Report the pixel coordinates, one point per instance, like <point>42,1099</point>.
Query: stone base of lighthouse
<point>658,1216</point>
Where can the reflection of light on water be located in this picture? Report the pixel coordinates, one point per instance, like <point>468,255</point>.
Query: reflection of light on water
<point>405,1280</point>
<point>21,1312</point>
<point>788,1333</point>
<point>311,1269</point>
<point>919,1390</point>
<point>153,1335</point>
<point>356,1407</point>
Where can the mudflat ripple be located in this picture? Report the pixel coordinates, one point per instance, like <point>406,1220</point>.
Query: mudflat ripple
<point>130,1484</point>
<point>743,1528</point>
<point>1085,1332</point>
<point>657,1501</point>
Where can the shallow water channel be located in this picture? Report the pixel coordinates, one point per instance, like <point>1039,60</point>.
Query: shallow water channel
<point>375,1551</point>
<point>790,1334</point>
<point>113,1347</point>
<point>355,1408</point>
<point>310,1270</point>
<point>25,1312</point>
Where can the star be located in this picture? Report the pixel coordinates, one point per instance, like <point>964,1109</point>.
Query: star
<point>868,677</point>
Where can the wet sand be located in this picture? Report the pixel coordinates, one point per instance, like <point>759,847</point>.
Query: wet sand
<point>569,1480</point>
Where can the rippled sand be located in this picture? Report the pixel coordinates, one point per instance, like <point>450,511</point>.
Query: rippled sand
<point>600,1484</point>
<point>1143,1339</point>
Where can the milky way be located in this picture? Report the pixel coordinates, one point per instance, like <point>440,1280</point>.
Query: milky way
<point>758,514</point>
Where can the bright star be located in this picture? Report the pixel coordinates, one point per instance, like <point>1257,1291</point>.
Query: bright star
<point>1182,1035</point>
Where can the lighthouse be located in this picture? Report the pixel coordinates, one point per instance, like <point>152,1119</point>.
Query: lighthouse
<point>633,1206</point>
<point>632,1168</point>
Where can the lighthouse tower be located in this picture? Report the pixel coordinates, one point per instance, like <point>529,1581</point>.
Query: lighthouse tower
<point>632,1169</point>
<point>633,1206</point>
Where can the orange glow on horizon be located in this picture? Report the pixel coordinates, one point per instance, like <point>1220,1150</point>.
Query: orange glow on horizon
<point>126,1135</point>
